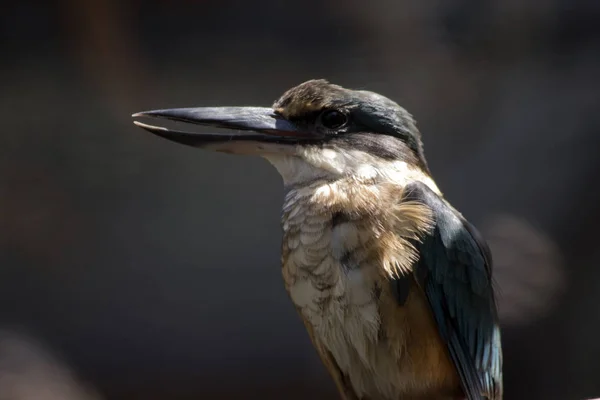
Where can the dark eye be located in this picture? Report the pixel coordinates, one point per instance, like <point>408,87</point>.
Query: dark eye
<point>333,119</point>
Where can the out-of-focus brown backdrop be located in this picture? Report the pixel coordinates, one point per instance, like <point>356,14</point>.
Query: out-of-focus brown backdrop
<point>134,268</point>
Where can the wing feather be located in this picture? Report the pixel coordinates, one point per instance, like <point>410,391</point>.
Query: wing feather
<point>454,270</point>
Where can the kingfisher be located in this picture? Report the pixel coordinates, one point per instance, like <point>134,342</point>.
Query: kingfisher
<point>393,284</point>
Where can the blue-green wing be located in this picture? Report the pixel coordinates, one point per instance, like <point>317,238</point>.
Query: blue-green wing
<point>454,270</point>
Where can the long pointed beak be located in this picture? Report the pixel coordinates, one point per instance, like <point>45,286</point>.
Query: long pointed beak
<point>253,124</point>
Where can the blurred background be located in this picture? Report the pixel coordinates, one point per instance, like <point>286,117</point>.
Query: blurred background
<point>135,268</point>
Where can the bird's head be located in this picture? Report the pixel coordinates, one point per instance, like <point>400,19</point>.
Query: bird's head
<point>313,130</point>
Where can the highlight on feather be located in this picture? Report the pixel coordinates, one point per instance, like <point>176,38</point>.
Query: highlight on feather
<point>398,254</point>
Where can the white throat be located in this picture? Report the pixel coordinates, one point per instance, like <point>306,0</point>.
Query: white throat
<point>313,163</point>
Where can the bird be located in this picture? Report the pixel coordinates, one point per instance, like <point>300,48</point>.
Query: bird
<point>393,284</point>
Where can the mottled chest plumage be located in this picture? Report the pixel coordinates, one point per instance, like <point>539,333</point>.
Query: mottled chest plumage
<point>326,272</point>
<point>341,244</point>
<point>326,256</point>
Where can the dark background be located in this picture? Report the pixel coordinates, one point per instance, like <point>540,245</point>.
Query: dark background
<point>134,268</point>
